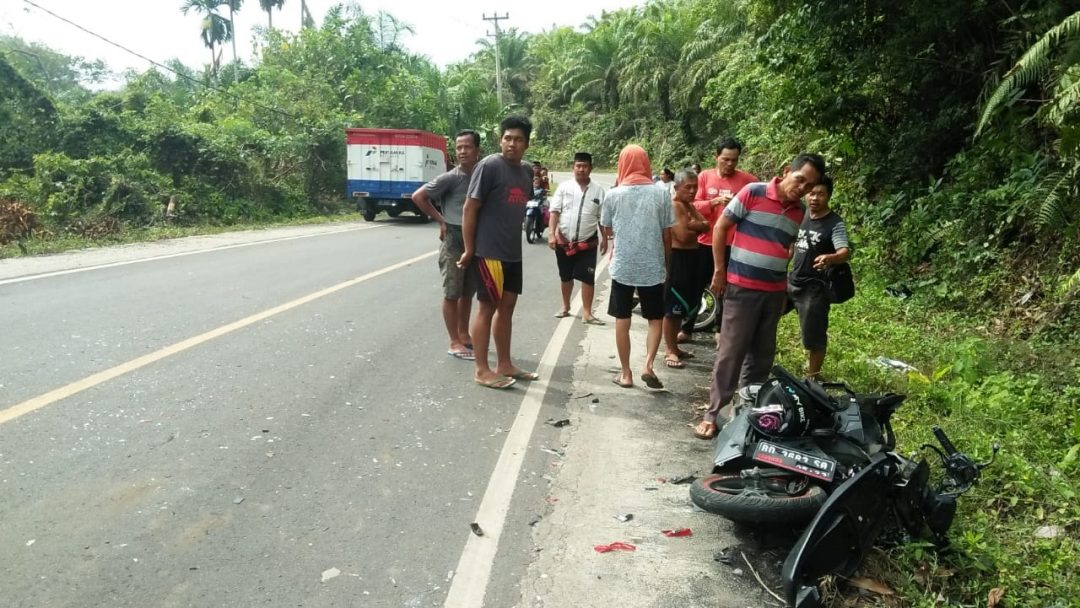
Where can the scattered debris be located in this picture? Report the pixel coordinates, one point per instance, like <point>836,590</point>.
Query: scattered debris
<point>536,519</point>
<point>558,423</point>
<point>624,517</point>
<point>676,480</point>
<point>551,500</point>
<point>993,599</point>
<point>581,396</point>
<point>651,488</point>
<point>596,400</point>
<point>616,546</point>
<point>329,574</point>
<point>558,453</point>
<point>760,582</point>
<point>724,557</point>
<point>677,533</point>
<point>1048,532</point>
<point>870,584</point>
<point>31,542</point>
<point>476,529</point>
<point>238,500</point>
<point>894,364</point>
<point>899,291</point>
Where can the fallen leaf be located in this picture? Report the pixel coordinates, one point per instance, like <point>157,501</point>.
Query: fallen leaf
<point>993,599</point>
<point>870,585</point>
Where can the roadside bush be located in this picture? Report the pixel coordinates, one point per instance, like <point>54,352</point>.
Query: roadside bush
<point>123,187</point>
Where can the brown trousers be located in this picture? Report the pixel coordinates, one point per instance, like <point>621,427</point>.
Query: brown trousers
<point>747,343</point>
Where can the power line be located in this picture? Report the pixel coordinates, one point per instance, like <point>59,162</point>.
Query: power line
<point>165,67</point>
<point>498,34</point>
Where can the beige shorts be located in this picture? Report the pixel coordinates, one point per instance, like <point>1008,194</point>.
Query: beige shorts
<point>456,281</point>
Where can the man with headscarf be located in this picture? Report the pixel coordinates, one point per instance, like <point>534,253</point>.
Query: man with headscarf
<point>639,215</point>
<point>575,235</point>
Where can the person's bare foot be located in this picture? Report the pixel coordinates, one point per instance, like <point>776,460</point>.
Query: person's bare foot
<point>705,430</point>
<point>518,374</point>
<point>625,380</point>
<point>683,338</point>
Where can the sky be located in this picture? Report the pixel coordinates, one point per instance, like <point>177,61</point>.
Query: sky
<point>444,31</point>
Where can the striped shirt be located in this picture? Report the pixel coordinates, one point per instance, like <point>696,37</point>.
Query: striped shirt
<point>764,229</point>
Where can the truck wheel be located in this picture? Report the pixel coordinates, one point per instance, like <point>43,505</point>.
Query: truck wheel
<point>367,207</point>
<point>369,215</point>
<point>773,501</point>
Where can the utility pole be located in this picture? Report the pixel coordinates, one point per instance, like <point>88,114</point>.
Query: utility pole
<point>498,70</point>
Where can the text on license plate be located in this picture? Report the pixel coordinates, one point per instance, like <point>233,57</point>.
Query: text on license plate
<point>795,460</point>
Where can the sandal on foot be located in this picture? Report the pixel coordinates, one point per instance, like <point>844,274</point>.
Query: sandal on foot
<point>618,382</point>
<point>464,355</point>
<point>562,314</point>
<point>593,321</point>
<point>705,430</point>
<point>652,381</point>
<point>673,363</point>
<point>525,376</point>
<point>497,383</point>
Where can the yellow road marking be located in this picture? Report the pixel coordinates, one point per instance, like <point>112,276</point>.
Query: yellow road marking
<point>36,403</point>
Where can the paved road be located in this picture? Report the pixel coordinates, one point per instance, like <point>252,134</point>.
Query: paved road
<point>236,469</point>
<point>268,419</point>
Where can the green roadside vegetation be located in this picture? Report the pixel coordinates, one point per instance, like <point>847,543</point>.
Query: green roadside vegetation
<point>952,129</point>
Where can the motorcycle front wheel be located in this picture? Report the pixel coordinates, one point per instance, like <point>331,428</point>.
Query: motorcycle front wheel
<point>758,500</point>
<point>706,316</point>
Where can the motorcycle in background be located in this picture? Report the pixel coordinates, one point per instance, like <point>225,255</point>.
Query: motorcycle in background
<point>536,216</point>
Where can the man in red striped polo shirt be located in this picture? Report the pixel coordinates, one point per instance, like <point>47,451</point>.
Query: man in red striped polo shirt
<point>765,218</point>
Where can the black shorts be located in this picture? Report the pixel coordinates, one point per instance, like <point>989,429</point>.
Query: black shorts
<point>581,266</point>
<point>621,301</point>
<point>681,296</point>
<point>812,303</point>
<point>495,277</point>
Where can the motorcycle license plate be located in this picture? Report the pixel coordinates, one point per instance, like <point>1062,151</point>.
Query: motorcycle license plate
<point>795,460</point>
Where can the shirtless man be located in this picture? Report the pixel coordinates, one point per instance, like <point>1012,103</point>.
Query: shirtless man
<point>682,272</point>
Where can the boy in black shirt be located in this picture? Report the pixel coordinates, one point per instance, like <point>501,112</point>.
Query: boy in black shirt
<point>822,242</point>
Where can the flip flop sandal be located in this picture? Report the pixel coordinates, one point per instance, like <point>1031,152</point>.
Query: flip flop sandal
<point>593,321</point>
<point>500,383</point>
<point>464,355</point>
<point>562,314</point>
<point>652,381</point>
<point>619,384</point>
<point>707,435</point>
<point>673,363</point>
<point>525,376</point>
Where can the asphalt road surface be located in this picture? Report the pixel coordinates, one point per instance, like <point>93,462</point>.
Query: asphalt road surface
<point>270,424</point>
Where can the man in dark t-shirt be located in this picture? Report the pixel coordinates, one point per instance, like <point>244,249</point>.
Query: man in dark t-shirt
<point>822,242</point>
<point>499,188</point>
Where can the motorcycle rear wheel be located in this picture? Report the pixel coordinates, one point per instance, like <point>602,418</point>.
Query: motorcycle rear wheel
<point>775,500</point>
<point>530,229</point>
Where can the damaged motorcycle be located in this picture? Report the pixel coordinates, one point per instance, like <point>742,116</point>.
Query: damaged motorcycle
<point>802,451</point>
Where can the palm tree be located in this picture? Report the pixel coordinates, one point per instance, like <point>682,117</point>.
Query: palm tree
<point>234,5</point>
<point>216,29</point>
<point>269,6</point>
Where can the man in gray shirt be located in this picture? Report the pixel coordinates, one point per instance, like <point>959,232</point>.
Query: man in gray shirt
<point>450,189</point>
<point>499,188</point>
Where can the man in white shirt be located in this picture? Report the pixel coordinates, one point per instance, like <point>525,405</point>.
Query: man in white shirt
<point>575,235</point>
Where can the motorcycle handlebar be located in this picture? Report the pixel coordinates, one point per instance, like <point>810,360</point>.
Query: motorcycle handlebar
<point>943,439</point>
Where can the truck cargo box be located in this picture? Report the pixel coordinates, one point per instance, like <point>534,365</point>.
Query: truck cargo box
<point>385,166</point>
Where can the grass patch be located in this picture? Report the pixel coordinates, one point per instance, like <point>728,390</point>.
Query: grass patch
<point>980,389</point>
<point>61,242</point>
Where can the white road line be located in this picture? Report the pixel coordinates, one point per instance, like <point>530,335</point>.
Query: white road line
<point>474,568</point>
<point>45,275</point>
<point>36,403</point>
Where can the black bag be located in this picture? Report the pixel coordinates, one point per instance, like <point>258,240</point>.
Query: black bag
<point>841,283</point>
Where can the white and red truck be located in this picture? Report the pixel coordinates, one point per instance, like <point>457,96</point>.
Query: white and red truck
<point>385,166</point>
